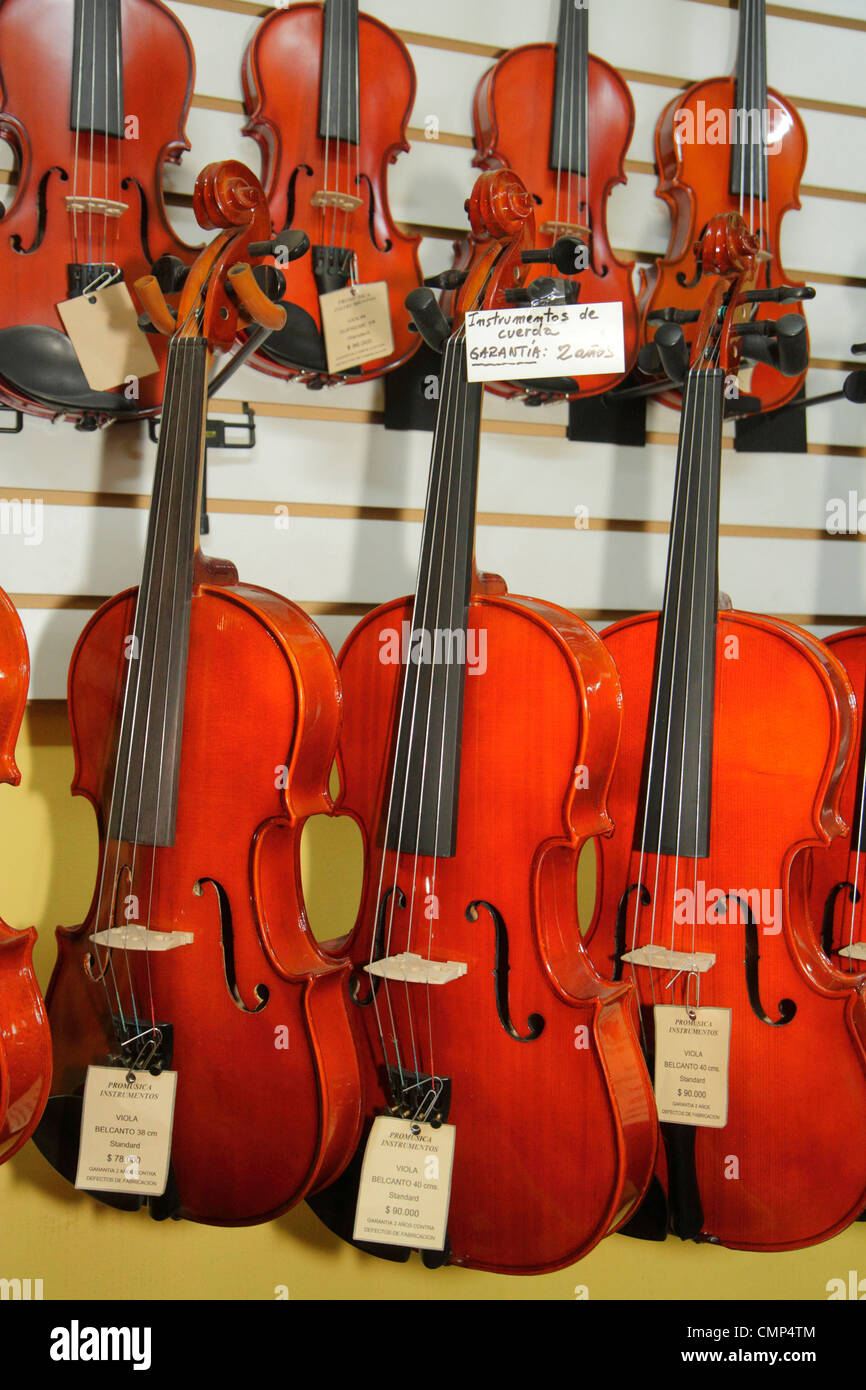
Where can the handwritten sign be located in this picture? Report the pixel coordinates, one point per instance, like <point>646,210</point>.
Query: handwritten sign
<point>546,341</point>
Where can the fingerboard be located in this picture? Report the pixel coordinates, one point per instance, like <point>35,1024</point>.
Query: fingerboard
<point>748,148</point>
<point>569,134</point>
<point>96,104</point>
<point>339,96</point>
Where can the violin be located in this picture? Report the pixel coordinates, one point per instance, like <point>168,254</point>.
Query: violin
<point>91,132</point>
<point>562,120</point>
<point>25,1042</point>
<point>204,716</point>
<point>737,733</point>
<point>327,136</point>
<point>449,697</point>
<point>729,144</point>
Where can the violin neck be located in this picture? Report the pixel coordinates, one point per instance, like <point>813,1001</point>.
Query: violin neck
<point>144,802</point>
<point>569,135</point>
<point>748,152</point>
<point>679,765</point>
<point>425,788</point>
<point>339,94</point>
<point>96,104</point>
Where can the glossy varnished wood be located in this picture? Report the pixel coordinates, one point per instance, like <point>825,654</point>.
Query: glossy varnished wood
<point>784,729</point>
<point>25,1043</point>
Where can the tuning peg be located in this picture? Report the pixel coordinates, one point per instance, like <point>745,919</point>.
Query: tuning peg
<point>289,245</point>
<point>565,253</point>
<point>170,274</point>
<point>858,347</point>
<point>785,294</point>
<point>428,318</point>
<point>648,360</point>
<point>671,347</point>
<point>781,343</point>
<point>544,290</point>
<point>446,280</point>
<point>673,316</point>
<point>271,281</point>
<point>854,386</point>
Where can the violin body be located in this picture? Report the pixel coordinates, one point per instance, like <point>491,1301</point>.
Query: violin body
<point>25,1043</point>
<point>796,1121</point>
<point>695,182</point>
<point>48,252</point>
<point>513,115</point>
<point>836,874</point>
<point>282,77</point>
<point>256,1125</point>
<point>540,1052</point>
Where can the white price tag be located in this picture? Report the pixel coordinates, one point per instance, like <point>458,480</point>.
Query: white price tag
<point>356,323</point>
<point>691,1070</point>
<point>103,329</point>
<point>405,1184</point>
<point>126,1131</point>
<point>549,341</point>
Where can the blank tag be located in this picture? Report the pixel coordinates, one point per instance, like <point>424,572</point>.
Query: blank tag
<point>356,323</point>
<point>103,329</point>
<point>126,1131</point>
<point>691,1072</point>
<point>405,1184</point>
<point>545,341</point>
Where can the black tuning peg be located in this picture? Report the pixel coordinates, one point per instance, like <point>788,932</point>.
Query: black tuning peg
<point>854,387</point>
<point>544,290</point>
<point>270,280</point>
<point>565,253</point>
<point>169,273</point>
<point>446,280</point>
<point>785,294</point>
<point>858,347</point>
<point>673,354</point>
<point>428,318</point>
<point>673,316</point>
<point>780,343</point>
<point>287,246</point>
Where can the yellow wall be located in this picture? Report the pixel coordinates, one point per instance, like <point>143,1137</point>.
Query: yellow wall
<point>83,1250</point>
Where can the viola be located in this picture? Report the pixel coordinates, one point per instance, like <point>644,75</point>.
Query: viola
<point>737,732</point>
<point>204,717</point>
<point>449,697</point>
<point>729,144</point>
<point>328,132</point>
<point>91,132</point>
<point>562,120</point>
<point>25,1043</point>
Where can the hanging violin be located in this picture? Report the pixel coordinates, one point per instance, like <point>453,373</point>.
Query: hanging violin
<point>25,1043</point>
<point>729,144</point>
<point>91,131</point>
<point>737,731</point>
<point>204,718</point>
<point>328,125</point>
<point>562,120</point>
<point>479,1003</point>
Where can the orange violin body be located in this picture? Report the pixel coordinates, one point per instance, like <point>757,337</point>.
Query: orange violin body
<point>836,874</point>
<point>333,186</point>
<point>25,1043</point>
<point>91,131</point>
<point>201,795</point>
<point>514,114</point>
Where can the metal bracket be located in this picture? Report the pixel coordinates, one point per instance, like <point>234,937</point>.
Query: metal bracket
<point>19,420</point>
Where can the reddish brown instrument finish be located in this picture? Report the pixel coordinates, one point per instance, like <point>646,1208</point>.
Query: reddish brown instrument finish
<point>36,60</point>
<point>513,113</point>
<point>555,1137</point>
<point>694,180</point>
<point>25,1043</point>
<point>281,80</point>
<point>840,863</point>
<point>258,1122</point>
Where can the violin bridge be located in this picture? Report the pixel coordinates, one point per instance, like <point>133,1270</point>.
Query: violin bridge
<point>410,968</point>
<point>326,198</point>
<point>134,937</point>
<point>660,958</point>
<point>856,951</point>
<point>104,207</point>
<point>557,229</point>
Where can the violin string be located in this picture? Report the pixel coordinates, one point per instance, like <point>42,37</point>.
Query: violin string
<point>120,146</point>
<point>562,62</point>
<point>341,40</point>
<point>584,25</point>
<point>327,59</point>
<point>80,84</point>
<point>765,134</point>
<point>92,137</point>
<point>105,124</point>
<point>571,82</point>
<point>356,71</point>
<point>856,829</point>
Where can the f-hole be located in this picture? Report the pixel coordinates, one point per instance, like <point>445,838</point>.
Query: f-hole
<point>501,969</point>
<point>371,213</point>
<point>143,223</point>
<point>112,922</point>
<point>41,213</point>
<point>619,938</point>
<point>261,992</point>
<point>830,911</point>
<point>290,193</point>
<point>787,1007</point>
<point>378,950</point>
